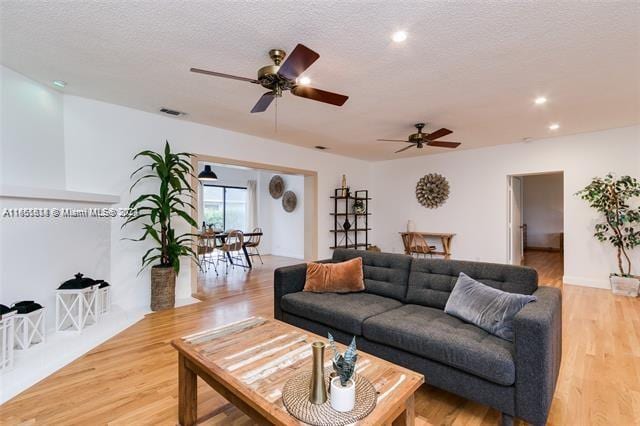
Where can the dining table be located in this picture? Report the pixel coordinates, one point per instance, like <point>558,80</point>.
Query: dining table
<point>222,236</point>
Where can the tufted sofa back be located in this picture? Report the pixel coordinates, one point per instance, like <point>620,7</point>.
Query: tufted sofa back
<point>385,274</point>
<point>431,280</point>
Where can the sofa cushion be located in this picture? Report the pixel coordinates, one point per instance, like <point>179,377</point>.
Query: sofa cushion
<point>340,277</point>
<point>431,280</point>
<point>432,334</point>
<point>385,274</point>
<point>345,312</point>
<point>490,309</point>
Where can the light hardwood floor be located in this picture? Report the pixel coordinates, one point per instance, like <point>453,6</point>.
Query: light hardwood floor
<point>132,378</point>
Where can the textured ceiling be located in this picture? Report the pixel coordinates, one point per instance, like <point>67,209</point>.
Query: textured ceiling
<point>471,66</point>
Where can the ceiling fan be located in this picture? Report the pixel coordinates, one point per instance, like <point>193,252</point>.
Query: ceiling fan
<point>420,139</point>
<point>281,76</point>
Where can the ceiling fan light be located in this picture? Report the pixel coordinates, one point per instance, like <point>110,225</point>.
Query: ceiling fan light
<point>399,36</point>
<point>304,81</point>
<point>207,175</point>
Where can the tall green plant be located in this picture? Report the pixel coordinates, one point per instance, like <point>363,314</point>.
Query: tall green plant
<point>159,210</point>
<point>611,197</point>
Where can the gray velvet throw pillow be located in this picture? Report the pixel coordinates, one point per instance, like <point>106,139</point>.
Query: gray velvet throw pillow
<point>490,309</point>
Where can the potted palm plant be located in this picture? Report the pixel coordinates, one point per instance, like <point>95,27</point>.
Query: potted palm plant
<point>159,212</point>
<point>613,198</point>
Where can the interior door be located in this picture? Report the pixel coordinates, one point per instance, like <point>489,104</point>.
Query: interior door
<point>516,250</point>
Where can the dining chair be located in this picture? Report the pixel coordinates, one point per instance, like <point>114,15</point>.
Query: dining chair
<point>206,247</point>
<point>231,250</point>
<point>253,242</point>
<point>418,245</point>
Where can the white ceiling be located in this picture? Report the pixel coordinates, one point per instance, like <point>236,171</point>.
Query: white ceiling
<point>471,66</point>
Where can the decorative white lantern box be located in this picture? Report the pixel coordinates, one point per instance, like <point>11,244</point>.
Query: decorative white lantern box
<point>6,341</point>
<point>30,329</point>
<point>77,308</point>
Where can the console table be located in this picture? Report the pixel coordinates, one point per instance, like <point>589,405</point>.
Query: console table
<point>445,239</point>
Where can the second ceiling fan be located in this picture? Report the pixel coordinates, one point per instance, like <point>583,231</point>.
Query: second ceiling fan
<point>419,139</point>
<point>282,76</point>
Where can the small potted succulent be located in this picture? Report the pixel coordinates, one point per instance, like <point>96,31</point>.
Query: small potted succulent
<point>343,386</point>
<point>616,201</point>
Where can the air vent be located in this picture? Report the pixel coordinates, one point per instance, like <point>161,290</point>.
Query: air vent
<point>320,147</point>
<point>172,112</point>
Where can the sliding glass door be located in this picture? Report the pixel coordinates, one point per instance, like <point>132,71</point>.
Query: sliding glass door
<point>225,207</point>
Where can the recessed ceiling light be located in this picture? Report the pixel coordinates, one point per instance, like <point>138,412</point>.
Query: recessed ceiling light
<point>540,100</point>
<point>305,81</point>
<point>399,36</point>
<point>554,126</point>
<point>59,83</point>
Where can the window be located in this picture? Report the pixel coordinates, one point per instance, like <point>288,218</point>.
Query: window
<point>225,207</point>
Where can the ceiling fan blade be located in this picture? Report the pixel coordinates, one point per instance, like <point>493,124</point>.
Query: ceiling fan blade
<point>392,140</point>
<point>319,95</point>
<point>405,148</point>
<point>438,134</point>
<point>264,102</point>
<point>297,62</point>
<point>219,74</point>
<point>443,144</point>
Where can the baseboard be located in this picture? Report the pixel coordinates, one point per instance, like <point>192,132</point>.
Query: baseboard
<point>586,282</point>
<point>548,249</point>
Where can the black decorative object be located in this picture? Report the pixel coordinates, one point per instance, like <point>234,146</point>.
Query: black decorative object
<point>432,190</point>
<point>25,306</point>
<point>207,175</point>
<point>79,282</point>
<point>353,232</point>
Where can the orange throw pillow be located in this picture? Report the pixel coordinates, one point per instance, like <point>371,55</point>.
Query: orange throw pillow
<point>343,277</point>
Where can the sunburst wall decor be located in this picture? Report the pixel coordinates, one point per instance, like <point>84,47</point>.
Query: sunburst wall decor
<point>432,190</point>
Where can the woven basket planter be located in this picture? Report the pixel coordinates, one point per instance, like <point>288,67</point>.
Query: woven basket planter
<point>163,288</point>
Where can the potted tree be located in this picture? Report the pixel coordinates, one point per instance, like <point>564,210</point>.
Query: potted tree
<point>159,211</point>
<point>613,198</point>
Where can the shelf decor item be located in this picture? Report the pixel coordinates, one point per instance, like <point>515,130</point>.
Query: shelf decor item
<point>276,186</point>
<point>159,211</point>
<point>343,186</point>
<point>432,190</point>
<point>343,387</point>
<point>6,338</point>
<point>359,207</point>
<point>289,201</point>
<point>614,199</point>
<point>317,386</point>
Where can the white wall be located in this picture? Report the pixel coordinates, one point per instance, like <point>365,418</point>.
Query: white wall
<point>286,230</point>
<point>101,139</point>
<point>477,207</point>
<point>32,133</point>
<point>543,209</point>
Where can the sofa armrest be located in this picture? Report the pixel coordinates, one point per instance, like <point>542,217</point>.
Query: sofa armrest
<point>538,347</point>
<point>288,279</point>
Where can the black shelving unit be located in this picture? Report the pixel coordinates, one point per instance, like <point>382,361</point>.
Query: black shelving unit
<point>357,234</point>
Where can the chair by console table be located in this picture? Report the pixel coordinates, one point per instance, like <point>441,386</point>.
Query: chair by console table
<point>445,239</point>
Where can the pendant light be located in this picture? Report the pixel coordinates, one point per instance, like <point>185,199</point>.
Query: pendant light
<point>207,175</point>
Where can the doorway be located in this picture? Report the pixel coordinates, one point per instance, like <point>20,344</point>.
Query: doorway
<point>536,224</point>
<point>239,199</point>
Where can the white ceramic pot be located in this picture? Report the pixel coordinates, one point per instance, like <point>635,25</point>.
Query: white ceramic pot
<point>411,227</point>
<point>624,286</point>
<point>343,398</point>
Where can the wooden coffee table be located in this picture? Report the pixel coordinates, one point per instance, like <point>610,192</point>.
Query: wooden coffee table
<point>249,361</point>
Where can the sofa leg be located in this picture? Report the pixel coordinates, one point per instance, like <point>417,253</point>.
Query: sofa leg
<point>507,420</point>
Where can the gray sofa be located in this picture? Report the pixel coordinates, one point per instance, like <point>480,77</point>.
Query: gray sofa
<point>400,317</point>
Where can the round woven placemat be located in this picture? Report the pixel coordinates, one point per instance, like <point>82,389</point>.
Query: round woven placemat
<point>295,396</point>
